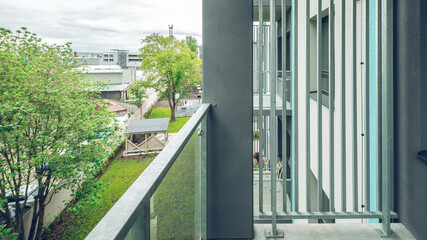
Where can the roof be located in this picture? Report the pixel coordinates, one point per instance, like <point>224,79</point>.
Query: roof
<point>96,69</point>
<point>148,125</point>
<point>114,107</point>
<point>103,71</point>
<point>115,87</point>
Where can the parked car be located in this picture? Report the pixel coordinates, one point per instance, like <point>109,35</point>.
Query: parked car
<point>11,204</point>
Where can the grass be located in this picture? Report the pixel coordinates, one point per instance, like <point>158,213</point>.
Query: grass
<point>165,112</point>
<point>174,200</point>
<point>117,179</point>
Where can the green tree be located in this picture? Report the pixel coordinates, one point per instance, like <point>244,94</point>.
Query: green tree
<point>191,43</point>
<point>50,121</point>
<point>170,67</point>
<point>138,92</point>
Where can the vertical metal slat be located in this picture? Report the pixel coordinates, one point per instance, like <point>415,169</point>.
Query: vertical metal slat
<point>261,106</point>
<point>367,130</point>
<point>295,105</point>
<point>319,107</point>
<point>387,128</point>
<point>307,103</point>
<point>379,104</point>
<point>343,125</point>
<point>354,108</point>
<point>284,109</point>
<point>331,105</point>
<point>273,155</point>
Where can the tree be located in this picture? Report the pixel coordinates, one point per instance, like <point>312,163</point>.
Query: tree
<point>170,67</point>
<point>138,92</point>
<point>191,43</point>
<point>49,122</point>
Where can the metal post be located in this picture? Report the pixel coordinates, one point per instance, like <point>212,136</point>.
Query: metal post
<point>203,179</point>
<point>379,105</point>
<point>141,227</point>
<point>284,110</point>
<point>387,128</point>
<point>261,106</point>
<point>331,105</point>
<point>273,126</point>
<point>354,117</point>
<point>366,130</point>
<point>343,125</point>
<point>307,104</point>
<point>295,105</point>
<point>319,107</point>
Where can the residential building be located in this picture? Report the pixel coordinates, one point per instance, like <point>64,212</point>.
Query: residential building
<point>367,137</point>
<point>116,79</point>
<point>123,58</point>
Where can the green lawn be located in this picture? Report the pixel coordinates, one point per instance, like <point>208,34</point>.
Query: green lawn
<point>117,179</point>
<point>165,112</point>
<point>175,204</point>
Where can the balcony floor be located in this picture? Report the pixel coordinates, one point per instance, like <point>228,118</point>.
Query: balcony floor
<point>340,231</point>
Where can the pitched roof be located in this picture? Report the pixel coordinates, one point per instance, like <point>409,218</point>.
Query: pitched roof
<point>139,126</point>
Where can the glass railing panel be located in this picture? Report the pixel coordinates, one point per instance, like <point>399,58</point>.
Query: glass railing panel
<point>175,205</point>
<point>168,200</point>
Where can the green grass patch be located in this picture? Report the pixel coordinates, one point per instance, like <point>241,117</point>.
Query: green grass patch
<point>165,112</point>
<point>175,204</point>
<point>116,179</point>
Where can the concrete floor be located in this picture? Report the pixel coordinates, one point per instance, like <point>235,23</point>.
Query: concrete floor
<point>342,231</point>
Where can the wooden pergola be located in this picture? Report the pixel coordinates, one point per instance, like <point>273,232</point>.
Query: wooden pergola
<point>143,135</point>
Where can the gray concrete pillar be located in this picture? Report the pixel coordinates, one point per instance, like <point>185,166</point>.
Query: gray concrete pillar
<point>227,84</point>
<point>410,111</point>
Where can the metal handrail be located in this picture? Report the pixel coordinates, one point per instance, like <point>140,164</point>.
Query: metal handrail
<point>119,220</point>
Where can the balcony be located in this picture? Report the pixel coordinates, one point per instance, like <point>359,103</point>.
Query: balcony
<point>168,201</point>
<point>229,200</point>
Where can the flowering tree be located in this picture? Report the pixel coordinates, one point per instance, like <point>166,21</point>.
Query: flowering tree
<point>49,123</point>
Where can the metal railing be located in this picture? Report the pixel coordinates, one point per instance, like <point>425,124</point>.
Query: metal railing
<point>130,218</point>
<point>330,147</point>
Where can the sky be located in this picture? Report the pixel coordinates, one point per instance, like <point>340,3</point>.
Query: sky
<point>101,25</point>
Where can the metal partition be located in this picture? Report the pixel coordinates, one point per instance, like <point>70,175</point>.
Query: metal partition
<point>340,131</point>
<point>130,217</point>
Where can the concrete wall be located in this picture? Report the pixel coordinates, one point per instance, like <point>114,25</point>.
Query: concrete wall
<point>112,95</point>
<point>107,78</point>
<point>227,84</point>
<point>53,209</point>
<point>410,136</point>
<point>129,75</point>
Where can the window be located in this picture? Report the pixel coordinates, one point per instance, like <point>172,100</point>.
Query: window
<point>288,53</point>
<point>287,34</point>
<point>324,48</point>
<point>325,54</point>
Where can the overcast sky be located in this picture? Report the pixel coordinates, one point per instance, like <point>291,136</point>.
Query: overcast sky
<point>101,25</point>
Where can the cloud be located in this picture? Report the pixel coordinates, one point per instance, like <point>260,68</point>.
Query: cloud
<point>100,25</point>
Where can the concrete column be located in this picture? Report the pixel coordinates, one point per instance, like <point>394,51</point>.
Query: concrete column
<point>410,113</point>
<point>227,84</point>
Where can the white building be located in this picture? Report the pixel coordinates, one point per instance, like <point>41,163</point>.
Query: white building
<point>123,58</point>
<point>117,80</point>
<point>351,142</point>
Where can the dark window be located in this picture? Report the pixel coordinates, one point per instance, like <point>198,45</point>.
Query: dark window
<point>288,53</point>
<point>325,54</point>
